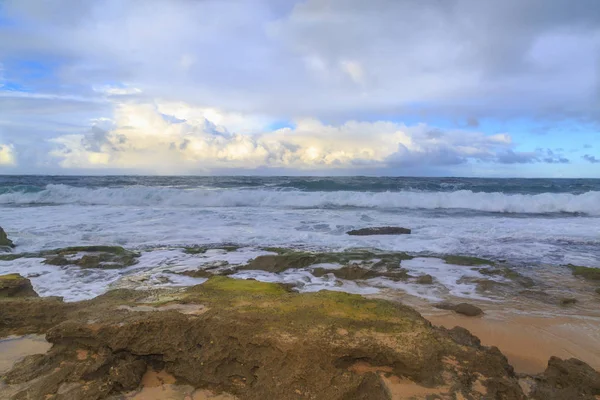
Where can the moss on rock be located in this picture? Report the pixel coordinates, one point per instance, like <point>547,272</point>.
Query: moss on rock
<point>256,340</point>
<point>4,240</point>
<point>14,285</point>
<point>106,257</point>
<point>467,261</point>
<point>588,273</point>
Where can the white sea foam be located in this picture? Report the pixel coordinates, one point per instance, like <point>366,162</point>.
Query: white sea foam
<point>585,203</point>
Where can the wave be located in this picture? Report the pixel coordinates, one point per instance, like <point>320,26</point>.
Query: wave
<point>546,203</point>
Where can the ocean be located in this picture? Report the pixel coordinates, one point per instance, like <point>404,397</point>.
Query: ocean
<point>527,222</point>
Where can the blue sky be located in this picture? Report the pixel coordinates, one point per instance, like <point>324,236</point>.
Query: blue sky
<point>392,87</point>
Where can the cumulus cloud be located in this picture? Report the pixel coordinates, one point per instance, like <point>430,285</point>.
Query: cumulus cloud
<point>145,137</point>
<point>7,156</point>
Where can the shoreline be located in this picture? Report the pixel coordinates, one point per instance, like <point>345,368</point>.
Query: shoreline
<point>395,341</point>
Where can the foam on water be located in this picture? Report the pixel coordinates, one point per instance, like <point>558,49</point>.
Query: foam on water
<point>306,282</point>
<point>585,203</point>
<point>448,280</point>
<point>527,222</point>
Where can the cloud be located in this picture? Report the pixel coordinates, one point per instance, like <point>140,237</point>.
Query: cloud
<point>145,137</point>
<point>333,57</point>
<point>7,156</point>
<point>511,157</point>
<point>591,159</point>
<point>199,85</point>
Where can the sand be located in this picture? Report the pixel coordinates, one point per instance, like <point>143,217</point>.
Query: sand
<point>13,349</point>
<point>529,341</point>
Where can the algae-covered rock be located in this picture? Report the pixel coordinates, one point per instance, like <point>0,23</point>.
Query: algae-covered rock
<point>588,273</point>
<point>425,279</point>
<point>567,301</point>
<point>508,273</point>
<point>463,308</point>
<point>468,309</point>
<point>57,260</point>
<point>598,290</point>
<point>380,230</point>
<point>24,315</point>
<point>4,240</point>
<point>567,379</point>
<point>14,285</point>
<point>378,263</point>
<point>257,340</point>
<point>105,257</point>
<point>467,261</point>
<point>281,262</point>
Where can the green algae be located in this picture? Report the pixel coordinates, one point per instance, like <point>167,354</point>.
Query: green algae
<point>195,250</point>
<point>467,261</point>
<point>4,240</point>
<point>278,307</point>
<point>117,250</point>
<point>588,273</point>
<point>508,273</point>
<point>288,259</point>
<point>10,277</point>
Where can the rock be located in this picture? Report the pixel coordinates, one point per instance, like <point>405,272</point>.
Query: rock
<point>57,260</point>
<point>257,340</point>
<point>508,273</point>
<point>104,257</point>
<point>381,230</point>
<point>14,285</point>
<point>588,273</point>
<point>4,240</point>
<point>24,315</point>
<point>598,290</point>
<point>567,379</point>
<point>280,263</point>
<point>464,337</point>
<point>467,261</point>
<point>468,309</point>
<point>567,301</point>
<point>425,280</point>
<point>462,308</point>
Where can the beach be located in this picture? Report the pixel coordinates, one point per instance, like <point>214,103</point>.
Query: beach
<point>93,261</point>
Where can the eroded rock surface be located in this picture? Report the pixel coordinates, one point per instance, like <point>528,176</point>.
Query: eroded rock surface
<point>14,285</point>
<point>567,379</point>
<point>257,340</point>
<point>4,240</point>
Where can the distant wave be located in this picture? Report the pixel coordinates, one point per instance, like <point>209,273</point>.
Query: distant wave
<point>586,203</point>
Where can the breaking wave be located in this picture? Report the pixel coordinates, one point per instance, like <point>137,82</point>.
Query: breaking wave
<point>544,203</point>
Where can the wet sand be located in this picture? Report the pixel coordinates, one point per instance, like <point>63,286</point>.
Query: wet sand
<point>160,385</point>
<point>13,349</point>
<point>529,341</point>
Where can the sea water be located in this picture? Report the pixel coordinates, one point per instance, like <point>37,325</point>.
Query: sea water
<point>527,222</point>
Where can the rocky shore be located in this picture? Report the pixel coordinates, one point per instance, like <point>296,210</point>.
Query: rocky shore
<point>255,340</point>
<point>234,337</point>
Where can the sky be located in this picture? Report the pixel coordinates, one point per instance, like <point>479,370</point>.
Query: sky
<point>316,87</point>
